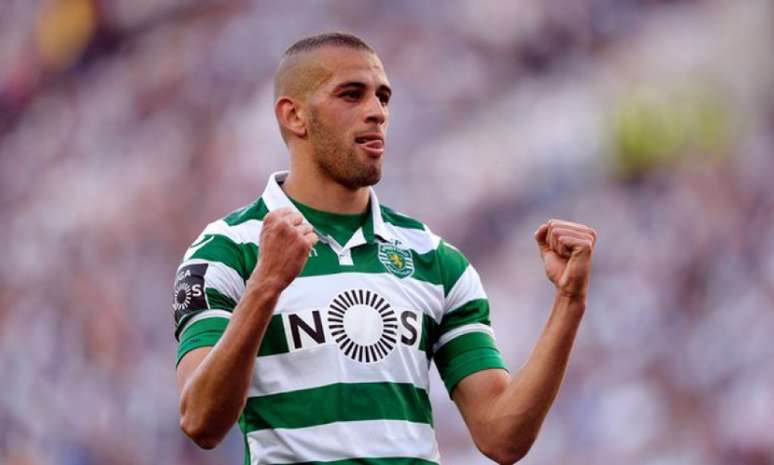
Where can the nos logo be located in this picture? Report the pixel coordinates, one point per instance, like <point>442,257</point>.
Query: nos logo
<point>364,326</point>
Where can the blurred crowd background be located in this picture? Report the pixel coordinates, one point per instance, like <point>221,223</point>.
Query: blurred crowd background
<point>127,125</point>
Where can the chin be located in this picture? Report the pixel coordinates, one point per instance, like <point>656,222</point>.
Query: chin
<point>373,177</point>
<point>365,178</point>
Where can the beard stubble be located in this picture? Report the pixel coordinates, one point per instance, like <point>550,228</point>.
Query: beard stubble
<point>337,158</point>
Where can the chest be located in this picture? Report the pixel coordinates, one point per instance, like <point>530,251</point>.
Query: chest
<point>362,318</point>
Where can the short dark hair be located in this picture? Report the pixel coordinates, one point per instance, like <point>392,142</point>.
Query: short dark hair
<point>335,39</point>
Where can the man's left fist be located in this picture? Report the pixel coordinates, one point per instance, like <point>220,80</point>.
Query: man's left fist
<point>566,248</point>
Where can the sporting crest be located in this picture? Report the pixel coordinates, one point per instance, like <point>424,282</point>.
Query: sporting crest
<point>397,261</point>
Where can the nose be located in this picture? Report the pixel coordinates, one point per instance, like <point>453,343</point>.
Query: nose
<point>376,111</point>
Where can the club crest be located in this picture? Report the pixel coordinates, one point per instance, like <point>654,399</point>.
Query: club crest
<point>397,261</point>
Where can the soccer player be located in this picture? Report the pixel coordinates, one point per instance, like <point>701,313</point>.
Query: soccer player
<point>311,316</point>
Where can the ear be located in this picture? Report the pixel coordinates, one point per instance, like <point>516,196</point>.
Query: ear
<point>290,116</point>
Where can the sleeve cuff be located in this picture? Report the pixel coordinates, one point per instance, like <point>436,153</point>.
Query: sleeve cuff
<point>465,355</point>
<point>202,333</point>
<point>469,363</point>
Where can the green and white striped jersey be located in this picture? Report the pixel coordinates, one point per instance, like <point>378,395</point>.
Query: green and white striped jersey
<point>341,376</point>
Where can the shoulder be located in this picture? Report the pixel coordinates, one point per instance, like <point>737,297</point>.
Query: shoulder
<point>410,232</point>
<point>454,272</point>
<point>240,226</point>
<point>417,236</point>
<point>229,239</point>
<point>394,218</point>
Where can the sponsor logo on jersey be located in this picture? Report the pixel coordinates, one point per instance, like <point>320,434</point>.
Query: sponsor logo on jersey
<point>363,324</point>
<point>398,261</point>
<point>360,322</point>
<point>189,290</point>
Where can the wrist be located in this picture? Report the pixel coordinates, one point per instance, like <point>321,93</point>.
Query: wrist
<point>573,300</point>
<point>266,286</point>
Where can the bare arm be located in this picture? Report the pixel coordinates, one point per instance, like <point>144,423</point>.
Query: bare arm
<point>213,381</point>
<point>504,413</point>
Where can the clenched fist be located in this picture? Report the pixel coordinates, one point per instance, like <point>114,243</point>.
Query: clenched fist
<point>566,249</point>
<point>286,241</point>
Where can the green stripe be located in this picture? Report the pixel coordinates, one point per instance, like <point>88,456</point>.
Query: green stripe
<point>207,332</point>
<point>441,266</point>
<point>461,344</point>
<point>428,267</point>
<point>375,461</point>
<point>391,216</point>
<point>464,355</point>
<point>255,211</point>
<point>469,363</point>
<point>223,250</point>
<point>203,333</point>
<point>366,260</point>
<point>338,402</point>
<point>247,458</point>
<point>219,301</point>
<point>274,340</point>
<point>474,311</point>
<point>429,331</point>
<point>452,264</point>
<point>216,301</point>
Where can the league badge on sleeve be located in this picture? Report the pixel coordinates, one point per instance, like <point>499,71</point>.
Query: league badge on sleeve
<point>189,290</point>
<point>397,261</point>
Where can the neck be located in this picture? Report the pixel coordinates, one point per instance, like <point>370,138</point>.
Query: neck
<point>320,192</point>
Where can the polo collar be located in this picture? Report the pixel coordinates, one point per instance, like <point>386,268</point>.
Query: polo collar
<point>274,197</point>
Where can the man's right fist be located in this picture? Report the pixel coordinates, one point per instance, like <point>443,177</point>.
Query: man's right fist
<point>286,241</point>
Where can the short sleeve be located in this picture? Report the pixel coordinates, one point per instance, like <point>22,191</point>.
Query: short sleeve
<point>464,342</point>
<point>208,285</point>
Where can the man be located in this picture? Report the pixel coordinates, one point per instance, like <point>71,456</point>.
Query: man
<point>312,315</point>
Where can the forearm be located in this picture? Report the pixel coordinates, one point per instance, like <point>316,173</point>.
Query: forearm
<point>517,413</point>
<point>214,395</point>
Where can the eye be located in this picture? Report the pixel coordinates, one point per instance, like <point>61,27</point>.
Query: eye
<point>351,95</point>
<point>384,98</point>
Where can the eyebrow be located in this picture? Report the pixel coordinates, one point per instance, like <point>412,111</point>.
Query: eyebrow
<point>359,85</point>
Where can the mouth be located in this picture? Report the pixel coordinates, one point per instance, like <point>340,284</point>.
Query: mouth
<point>372,143</point>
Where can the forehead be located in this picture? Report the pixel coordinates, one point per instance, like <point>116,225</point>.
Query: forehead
<point>346,64</point>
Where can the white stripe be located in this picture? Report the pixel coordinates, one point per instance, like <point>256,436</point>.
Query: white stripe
<point>434,238</point>
<point>221,277</point>
<point>326,364</point>
<point>317,291</point>
<point>203,316</point>
<point>471,328</point>
<point>468,287</point>
<point>194,248</point>
<point>248,232</point>
<point>419,240</point>
<point>225,280</point>
<point>343,440</point>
